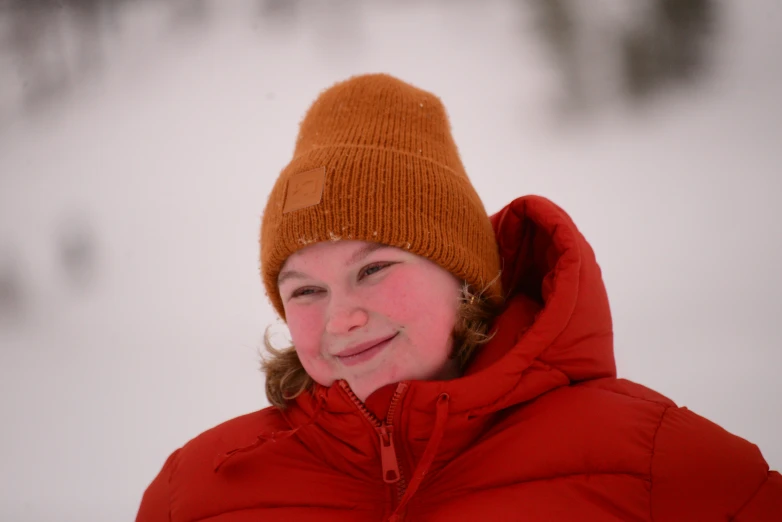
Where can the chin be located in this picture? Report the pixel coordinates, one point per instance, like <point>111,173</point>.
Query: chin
<point>364,389</point>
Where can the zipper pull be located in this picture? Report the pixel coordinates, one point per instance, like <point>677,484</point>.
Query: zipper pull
<point>388,455</point>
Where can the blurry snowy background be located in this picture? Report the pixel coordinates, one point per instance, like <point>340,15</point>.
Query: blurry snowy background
<point>139,140</point>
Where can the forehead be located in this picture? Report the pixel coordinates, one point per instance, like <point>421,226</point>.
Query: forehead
<point>348,251</point>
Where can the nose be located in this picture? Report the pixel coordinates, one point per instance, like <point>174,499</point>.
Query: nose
<point>344,317</point>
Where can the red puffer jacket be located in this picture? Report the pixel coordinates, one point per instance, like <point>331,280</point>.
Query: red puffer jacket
<point>539,429</point>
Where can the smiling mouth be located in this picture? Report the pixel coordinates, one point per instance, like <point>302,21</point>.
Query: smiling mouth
<point>365,353</point>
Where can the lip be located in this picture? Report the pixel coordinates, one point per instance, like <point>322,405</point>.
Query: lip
<point>363,351</point>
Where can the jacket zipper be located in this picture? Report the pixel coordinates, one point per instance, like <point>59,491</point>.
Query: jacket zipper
<point>392,471</point>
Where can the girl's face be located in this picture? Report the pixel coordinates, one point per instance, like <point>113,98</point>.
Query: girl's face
<point>369,314</point>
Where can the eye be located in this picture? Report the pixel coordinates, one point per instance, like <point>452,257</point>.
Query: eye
<point>306,291</point>
<point>373,269</point>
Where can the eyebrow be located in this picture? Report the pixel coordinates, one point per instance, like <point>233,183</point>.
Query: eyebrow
<point>290,274</point>
<point>363,252</point>
<point>357,256</point>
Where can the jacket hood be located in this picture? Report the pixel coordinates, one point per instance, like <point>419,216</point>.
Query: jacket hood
<point>556,328</point>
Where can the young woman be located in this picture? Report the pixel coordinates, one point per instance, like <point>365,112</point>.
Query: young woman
<point>446,365</point>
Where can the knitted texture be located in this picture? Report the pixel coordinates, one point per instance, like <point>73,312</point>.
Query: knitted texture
<point>375,161</point>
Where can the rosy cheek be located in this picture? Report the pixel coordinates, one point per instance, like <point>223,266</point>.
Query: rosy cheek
<point>305,324</point>
<point>413,298</point>
<point>398,300</point>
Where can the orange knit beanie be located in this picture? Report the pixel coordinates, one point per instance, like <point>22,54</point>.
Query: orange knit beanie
<point>375,161</point>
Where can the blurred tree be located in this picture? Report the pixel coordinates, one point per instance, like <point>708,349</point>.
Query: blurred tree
<point>661,44</point>
<point>12,301</point>
<point>35,40</point>
<point>184,13</point>
<point>55,44</point>
<point>282,11</point>
<point>77,251</point>
<point>670,46</point>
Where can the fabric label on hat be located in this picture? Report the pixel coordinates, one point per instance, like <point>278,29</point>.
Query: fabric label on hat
<point>305,189</point>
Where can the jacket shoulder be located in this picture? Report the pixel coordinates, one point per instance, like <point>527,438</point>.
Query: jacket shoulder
<point>196,460</point>
<point>697,470</point>
<point>234,433</point>
<point>627,388</point>
<point>700,471</point>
